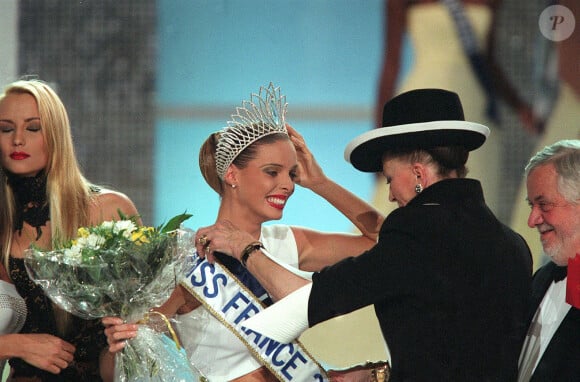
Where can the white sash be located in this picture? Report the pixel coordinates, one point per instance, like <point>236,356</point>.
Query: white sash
<point>230,302</point>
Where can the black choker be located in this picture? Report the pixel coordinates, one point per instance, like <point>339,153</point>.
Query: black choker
<point>31,204</point>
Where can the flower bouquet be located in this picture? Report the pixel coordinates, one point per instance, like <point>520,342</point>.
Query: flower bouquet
<point>121,269</point>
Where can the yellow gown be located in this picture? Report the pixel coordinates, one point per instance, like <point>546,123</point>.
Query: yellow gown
<point>440,62</point>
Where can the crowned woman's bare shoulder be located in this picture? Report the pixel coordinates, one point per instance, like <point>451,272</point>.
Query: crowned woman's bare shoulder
<point>106,206</point>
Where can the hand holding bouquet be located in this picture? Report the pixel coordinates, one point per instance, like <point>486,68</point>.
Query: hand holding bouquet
<point>121,269</point>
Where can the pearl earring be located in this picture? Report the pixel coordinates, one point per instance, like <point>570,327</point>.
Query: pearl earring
<point>233,186</point>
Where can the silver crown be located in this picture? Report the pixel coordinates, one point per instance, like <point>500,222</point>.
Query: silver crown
<point>262,115</point>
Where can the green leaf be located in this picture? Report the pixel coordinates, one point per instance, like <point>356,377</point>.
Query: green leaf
<point>175,222</point>
<point>122,216</point>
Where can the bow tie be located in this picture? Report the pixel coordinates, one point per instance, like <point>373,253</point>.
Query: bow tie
<point>559,273</point>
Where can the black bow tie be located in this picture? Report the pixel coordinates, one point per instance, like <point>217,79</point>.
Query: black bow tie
<point>559,273</point>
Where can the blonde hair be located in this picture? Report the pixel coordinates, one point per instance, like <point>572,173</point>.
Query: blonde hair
<point>68,192</point>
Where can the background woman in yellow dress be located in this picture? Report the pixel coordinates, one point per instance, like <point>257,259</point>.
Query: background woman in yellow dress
<point>563,123</point>
<point>440,61</point>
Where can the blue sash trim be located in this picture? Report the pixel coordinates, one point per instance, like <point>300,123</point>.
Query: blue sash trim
<point>231,303</point>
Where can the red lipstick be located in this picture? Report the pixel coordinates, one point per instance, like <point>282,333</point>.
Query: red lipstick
<point>19,155</point>
<point>277,201</point>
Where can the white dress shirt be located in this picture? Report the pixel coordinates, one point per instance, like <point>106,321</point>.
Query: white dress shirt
<point>546,321</point>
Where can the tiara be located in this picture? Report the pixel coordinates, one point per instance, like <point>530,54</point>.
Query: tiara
<point>264,114</point>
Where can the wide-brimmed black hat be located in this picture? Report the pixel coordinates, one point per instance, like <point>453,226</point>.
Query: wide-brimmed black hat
<point>417,119</point>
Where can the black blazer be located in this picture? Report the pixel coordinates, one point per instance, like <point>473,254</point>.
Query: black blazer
<point>449,284</point>
<point>561,360</point>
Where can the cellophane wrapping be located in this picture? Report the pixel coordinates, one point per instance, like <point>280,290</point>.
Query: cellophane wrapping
<point>119,268</point>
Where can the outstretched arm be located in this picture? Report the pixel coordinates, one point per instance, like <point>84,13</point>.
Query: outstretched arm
<point>318,249</point>
<point>310,175</point>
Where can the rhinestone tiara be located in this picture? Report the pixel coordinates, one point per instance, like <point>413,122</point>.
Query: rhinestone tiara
<point>262,115</point>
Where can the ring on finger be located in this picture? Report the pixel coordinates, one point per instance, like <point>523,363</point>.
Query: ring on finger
<point>202,240</point>
<point>208,249</point>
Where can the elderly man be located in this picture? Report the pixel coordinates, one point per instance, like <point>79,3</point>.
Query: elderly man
<point>551,350</point>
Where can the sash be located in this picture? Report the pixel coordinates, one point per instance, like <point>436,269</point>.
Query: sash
<point>476,58</point>
<point>230,302</point>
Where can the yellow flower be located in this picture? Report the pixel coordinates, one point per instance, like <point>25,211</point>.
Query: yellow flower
<point>141,235</point>
<point>83,232</point>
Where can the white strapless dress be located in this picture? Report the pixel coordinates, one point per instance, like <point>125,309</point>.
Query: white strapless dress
<point>211,347</point>
<point>12,311</point>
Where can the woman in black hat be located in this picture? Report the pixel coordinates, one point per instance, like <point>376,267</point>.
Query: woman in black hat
<point>447,279</point>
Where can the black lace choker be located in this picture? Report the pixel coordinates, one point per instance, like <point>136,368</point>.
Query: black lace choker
<point>31,204</point>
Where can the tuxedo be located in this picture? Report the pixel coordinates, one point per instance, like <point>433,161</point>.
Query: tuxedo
<point>561,359</point>
<point>449,284</point>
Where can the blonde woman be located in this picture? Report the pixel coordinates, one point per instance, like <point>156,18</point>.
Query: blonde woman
<point>45,197</point>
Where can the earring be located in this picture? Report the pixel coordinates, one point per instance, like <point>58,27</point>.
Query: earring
<point>233,186</point>
<point>418,188</point>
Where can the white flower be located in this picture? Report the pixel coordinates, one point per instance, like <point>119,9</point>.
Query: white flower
<point>91,241</point>
<point>95,240</point>
<point>108,225</point>
<point>126,227</point>
<point>82,242</point>
<point>72,255</point>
